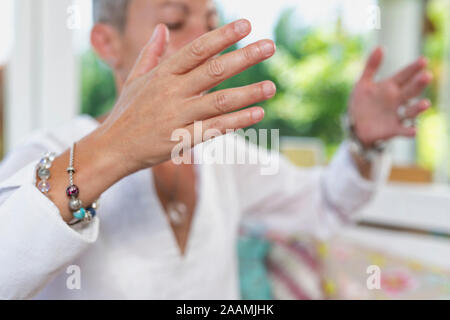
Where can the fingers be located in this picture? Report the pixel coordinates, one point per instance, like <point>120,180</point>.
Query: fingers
<point>222,124</point>
<point>410,71</point>
<point>372,65</point>
<point>217,70</point>
<point>225,101</point>
<point>416,85</point>
<point>417,108</point>
<point>232,121</point>
<point>411,113</point>
<point>407,132</point>
<point>151,54</point>
<point>207,46</point>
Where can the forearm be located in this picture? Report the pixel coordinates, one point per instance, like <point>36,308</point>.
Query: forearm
<point>96,171</point>
<point>364,166</point>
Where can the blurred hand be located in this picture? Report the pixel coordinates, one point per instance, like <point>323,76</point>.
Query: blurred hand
<point>374,106</point>
<point>159,98</point>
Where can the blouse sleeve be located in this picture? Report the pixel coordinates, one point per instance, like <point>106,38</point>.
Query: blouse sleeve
<point>36,244</point>
<point>281,197</point>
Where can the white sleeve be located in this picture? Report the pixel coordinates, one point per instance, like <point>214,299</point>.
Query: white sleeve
<point>36,244</point>
<point>298,200</point>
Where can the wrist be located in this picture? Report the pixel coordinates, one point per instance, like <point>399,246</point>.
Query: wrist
<point>100,156</point>
<point>363,164</point>
<point>358,126</point>
<point>96,168</point>
<point>360,147</point>
<point>111,151</point>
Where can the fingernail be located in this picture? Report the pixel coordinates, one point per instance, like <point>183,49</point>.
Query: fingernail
<point>269,89</point>
<point>257,114</point>
<point>242,27</point>
<point>426,104</point>
<point>167,34</point>
<point>155,33</point>
<point>423,61</point>
<point>267,48</point>
<point>427,76</point>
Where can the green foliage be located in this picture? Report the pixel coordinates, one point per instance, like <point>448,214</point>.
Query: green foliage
<point>432,133</point>
<point>98,91</point>
<point>431,139</point>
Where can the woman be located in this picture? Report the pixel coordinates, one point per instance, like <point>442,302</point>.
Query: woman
<point>170,232</point>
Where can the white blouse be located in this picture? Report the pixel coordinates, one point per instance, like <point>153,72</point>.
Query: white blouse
<point>133,253</point>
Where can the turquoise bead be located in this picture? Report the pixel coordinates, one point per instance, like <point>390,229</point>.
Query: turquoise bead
<point>80,214</point>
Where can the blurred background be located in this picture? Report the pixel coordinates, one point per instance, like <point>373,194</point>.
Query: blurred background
<point>48,74</point>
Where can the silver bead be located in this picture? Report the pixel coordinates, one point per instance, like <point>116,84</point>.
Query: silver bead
<point>75,204</point>
<point>51,156</point>
<point>44,186</point>
<point>44,173</point>
<point>70,170</point>
<point>45,163</point>
<point>88,217</point>
<point>95,205</point>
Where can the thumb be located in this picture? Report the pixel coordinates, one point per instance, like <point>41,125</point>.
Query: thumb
<point>151,55</point>
<point>372,65</point>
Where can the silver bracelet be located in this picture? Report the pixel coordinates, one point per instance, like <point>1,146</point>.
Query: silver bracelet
<point>357,147</point>
<point>80,214</point>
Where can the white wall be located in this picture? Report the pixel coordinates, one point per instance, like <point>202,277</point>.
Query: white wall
<point>6,29</point>
<point>442,172</point>
<point>42,80</point>
<point>401,35</point>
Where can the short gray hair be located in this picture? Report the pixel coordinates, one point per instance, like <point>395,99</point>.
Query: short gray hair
<point>112,12</point>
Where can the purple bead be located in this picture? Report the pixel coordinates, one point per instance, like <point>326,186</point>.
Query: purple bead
<point>72,191</point>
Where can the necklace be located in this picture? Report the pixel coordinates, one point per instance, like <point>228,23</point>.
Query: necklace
<point>176,210</point>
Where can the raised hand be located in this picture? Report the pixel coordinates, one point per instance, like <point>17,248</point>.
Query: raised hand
<point>160,98</point>
<point>379,109</point>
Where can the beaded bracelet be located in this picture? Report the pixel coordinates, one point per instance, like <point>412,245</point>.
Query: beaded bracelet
<point>85,215</point>
<point>43,172</point>
<point>75,204</point>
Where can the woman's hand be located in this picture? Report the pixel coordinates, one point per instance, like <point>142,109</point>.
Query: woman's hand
<point>158,99</point>
<point>374,106</point>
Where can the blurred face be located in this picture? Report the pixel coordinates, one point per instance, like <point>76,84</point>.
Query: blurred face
<point>186,20</point>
